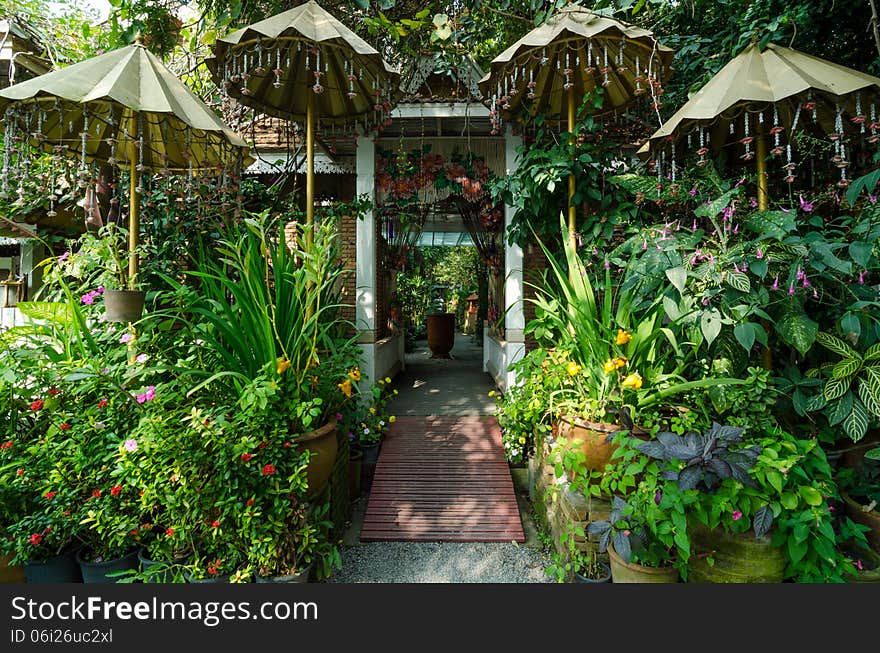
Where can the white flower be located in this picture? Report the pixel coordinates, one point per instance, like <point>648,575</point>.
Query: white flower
<point>366,431</point>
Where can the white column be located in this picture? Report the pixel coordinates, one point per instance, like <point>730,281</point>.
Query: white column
<point>365,292</point>
<point>514,317</point>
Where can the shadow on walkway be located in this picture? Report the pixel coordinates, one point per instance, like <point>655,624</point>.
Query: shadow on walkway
<point>455,386</point>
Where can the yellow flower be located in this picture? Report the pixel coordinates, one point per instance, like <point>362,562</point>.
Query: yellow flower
<point>355,375</point>
<point>345,387</point>
<point>619,362</point>
<point>491,393</point>
<point>392,419</point>
<point>373,410</point>
<point>573,369</point>
<point>281,366</point>
<point>633,381</point>
<point>387,380</point>
<point>609,366</point>
<point>623,337</point>
<point>522,439</point>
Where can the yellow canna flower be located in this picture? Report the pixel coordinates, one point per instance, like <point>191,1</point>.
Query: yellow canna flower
<point>281,366</point>
<point>633,381</point>
<point>573,369</point>
<point>609,366</point>
<point>619,362</point>
<point>373,410</point>
<point>522,439</point>
<point>355,375</point>
<point>392,419</point>
<point>345,387</point>
<point>623,337</point>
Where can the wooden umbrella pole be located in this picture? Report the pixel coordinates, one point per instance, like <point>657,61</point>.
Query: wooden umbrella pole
<point>310,167</point>
<point>134,211</point>
<point>572,213</point>
<point>761,156</point>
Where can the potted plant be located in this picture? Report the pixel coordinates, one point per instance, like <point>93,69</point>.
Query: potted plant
<point>635,552</point>
<point>373,420</point>
<point>580,562</point>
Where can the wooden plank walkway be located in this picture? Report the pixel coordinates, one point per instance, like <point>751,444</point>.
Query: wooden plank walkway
<point>443,479</point>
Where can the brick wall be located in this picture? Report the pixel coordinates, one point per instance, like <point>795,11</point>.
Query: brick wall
<point>348,254</point>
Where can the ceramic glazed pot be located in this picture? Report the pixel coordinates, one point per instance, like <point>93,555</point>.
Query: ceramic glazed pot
<point>632,572</point>
<point>322,446</point>
<point>62,568</point>
<point>124,305</point>
<point>441,334</point>
<point>605,576</point>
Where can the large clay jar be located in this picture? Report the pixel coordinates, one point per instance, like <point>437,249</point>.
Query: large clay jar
<point>632,572</point>
<point>322,446</point>
<point>441,334</point>
<point>590,438</point>
<point>736,557</point>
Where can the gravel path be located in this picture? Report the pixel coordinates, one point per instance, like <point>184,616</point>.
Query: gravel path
<point>431,562</point>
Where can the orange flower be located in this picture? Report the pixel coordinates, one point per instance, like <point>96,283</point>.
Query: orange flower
<point>623,337</point>
<point>282,366</point>
<point>345,387</point>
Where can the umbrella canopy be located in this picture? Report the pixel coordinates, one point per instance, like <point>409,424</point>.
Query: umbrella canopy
<point>276,65</point>
<point>768,95</point>
<point>101,108</point>
<point>576,50</point>
<point>781,78</point>
<point>122,107</point>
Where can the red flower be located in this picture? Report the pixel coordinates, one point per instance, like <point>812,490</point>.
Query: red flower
<point>96,494</point>
<point>115,490</point>
<point>250,502</point>
<point>169,532</point>
<point>287,445</point>
<point>20,472</point>
<point>215,523</point>
<point>133,532</point>
<point>50,494</point>
<point>268,470</point>
<point>147,526</point>
<point>246,457</point>
<point>6,445</point>
<point>103,403</point>
<point>64,426</point>
<point>263,445</point>
<point>35,539</point>
<point>37,405</point>
<point>213,567</point>
<point>53,392</point>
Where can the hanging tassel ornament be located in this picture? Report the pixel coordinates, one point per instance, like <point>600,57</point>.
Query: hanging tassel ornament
<point>590,67</point>
<point>277,70</point>
<point>775,131</point>
<point>605,67</point>
<point>531,85</point>
<point>620,61</point>
<point>704,150</point>
<point>859,118</point>
<point>567,72</point>
<point>317,88</point>
<point>639,78</point>
<point>747,140</point>
<point>790,166</point>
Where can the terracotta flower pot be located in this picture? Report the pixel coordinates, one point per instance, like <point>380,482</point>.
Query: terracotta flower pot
<point>322,447</point>
<point>590,438</point>
<point>632,572</point>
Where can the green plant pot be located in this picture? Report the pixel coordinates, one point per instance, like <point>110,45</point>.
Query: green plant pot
<point>62,568</point>
<point>605,576</point>
<point>371,452</point>
<point>737,558</point>
<point>124,305</point>
<point>98,572</point>
<point>632,572</point>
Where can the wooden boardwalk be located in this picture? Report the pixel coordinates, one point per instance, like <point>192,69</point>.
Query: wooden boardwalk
<point>443,479</point>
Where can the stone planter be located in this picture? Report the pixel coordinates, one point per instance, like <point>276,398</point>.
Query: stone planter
<point>738,558</point>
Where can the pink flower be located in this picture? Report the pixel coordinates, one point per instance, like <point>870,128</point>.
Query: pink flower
<point>737,515</point>
<point>88,299</point>
<point>63,257</point>
<point>806,207</point>
<point>131,446</point>
<point>872,199</point>
<point>141,358</point>
<point>338,417</point>
<point>775,285</point>
<point>753,203</point>
<point>858,565</point>
<point>126,338</point>
<point>693,192</point>
<point>759,254</point>
<point>791,289</point>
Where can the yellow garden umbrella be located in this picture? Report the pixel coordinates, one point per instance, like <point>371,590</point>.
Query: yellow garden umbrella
<point>124,108</point>
<point>303,65</point>
<point>767,94</point>
<point>567,57</point>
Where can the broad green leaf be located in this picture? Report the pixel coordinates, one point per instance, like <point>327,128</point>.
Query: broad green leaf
<point>773,224</point>
<point>775,479</point>
<point>739,281</point>
<point>811,495</point>
<point>797,330</point>
<point>759,268</point>
<point>714,208</point>
<point>872,404</point>
<point>789,501</point>
<point>860,253</point>
<point>856,424</point>
<point>678,277</point>
<point>873,454</point>
<point>710,325</point>
<point>841,409</point>
<point>745,335</point>
<point>845,368</point>
<point>835,388</point>
<point>670,307</point>
<point>55,312</point>
<point>873,352</point>
<point>850,325</point>
<point>872,373</point>
<point>836,345</point>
